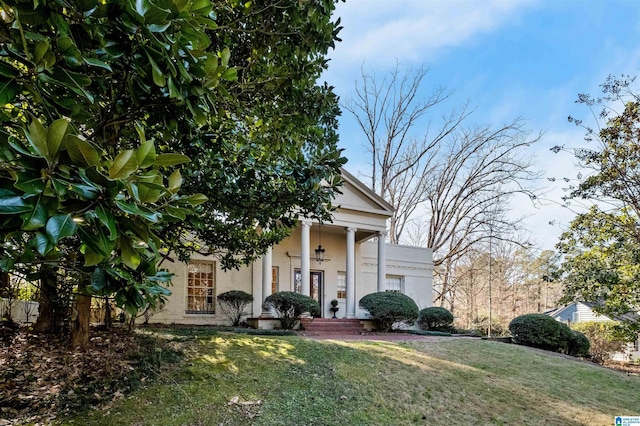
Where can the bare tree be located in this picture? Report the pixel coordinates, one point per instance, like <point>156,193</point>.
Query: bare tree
<point>388,112</point>
<point>470,191</point>
<point>452,186</point>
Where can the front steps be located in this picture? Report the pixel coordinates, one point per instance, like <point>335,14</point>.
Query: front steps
<point>330,325</point>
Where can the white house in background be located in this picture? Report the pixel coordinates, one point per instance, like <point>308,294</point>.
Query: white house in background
<point>583,312</point>
<point>357,262</point>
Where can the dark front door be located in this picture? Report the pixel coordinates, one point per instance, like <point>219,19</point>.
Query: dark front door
<point>316,286</point>
<point>316,281</point>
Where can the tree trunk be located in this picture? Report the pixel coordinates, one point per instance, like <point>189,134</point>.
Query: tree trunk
<point>107,314</point>
<point>80,326</point>
<point>48,295</point>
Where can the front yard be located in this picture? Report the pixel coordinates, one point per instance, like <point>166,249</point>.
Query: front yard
<point>239,379</point>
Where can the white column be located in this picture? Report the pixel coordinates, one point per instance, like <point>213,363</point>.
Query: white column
<point>351,273</point>
<point>382,261</point>
<point>305,254</point>
<point>267,266</point>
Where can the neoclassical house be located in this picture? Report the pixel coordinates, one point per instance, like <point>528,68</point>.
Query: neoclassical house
<point>357,261</point>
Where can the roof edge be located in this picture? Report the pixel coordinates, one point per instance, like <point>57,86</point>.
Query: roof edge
<point>362,187</point>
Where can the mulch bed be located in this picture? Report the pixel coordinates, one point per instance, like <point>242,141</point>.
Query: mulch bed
<point>42,379</point>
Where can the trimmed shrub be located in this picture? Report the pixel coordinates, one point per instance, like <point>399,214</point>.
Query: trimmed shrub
<point>605,338</point>
<point>289,306</point>
<point>578,344</point>
<point>499,326</point>
<point>388,308</point>
<point>540,331</point>
<point>435,318</point>
<point>233,303</point>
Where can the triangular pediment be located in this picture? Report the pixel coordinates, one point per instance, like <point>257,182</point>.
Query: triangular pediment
<point>357,196</point>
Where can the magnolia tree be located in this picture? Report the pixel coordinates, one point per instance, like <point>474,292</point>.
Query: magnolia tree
<point>100,102</point>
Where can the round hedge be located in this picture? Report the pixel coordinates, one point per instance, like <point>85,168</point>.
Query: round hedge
<point>435,318</point>
<point>578,344</point>
<point>541,331</point>
<point>290,305</point>
<point>388,308</point>
<point>233,303</point>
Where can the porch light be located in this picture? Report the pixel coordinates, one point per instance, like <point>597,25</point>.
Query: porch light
<point>319,251</point>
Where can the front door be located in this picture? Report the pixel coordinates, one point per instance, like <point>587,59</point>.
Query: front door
<point>316,287</point>
<point>316,281</point>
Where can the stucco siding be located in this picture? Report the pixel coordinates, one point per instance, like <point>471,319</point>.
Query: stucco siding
<point>174,311</point>
<point>413,264</point>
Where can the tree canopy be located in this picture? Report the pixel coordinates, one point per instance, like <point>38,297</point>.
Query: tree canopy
<point>602,258</point>
<point>100,101</point>
<point>232,85</point>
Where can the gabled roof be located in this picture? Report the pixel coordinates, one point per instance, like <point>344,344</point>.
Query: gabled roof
<point>358,196</point>
<point>630,316</point>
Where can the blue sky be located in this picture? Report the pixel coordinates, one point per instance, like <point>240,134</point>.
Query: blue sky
<point>507,58</point>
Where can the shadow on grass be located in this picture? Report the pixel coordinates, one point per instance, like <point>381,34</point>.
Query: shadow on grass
<point>291,380</point>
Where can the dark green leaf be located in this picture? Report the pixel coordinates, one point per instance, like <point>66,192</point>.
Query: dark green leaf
<point>59,227</point>
<point>156,72</point>
<point>82,152</point>
<point>13,204</point>
<point>96,241</point>
<point>37,137</point>
<point>35,219</point>
<point>6,264</point>
<point>98,63</point>
<point>6,70</point>
<point>146,154</point>
<point>9,89</point>
<point>29,183</point>
<point>175,212</point>
<point>55,134</point>
<point>86,192</point>
<point>128,255</point>
<point>139,211</point>
<point>98,281</point>
<point>167,160</point>
<point>123,165</point>
<point>43,245</point>
<point>195,199</point>
<point>108,220</point>
<point>91,258</point>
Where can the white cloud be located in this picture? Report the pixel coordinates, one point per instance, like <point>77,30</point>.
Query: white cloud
<point>414,29</point>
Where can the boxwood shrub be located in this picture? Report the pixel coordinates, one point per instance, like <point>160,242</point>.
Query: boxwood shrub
<point>290,305</point>
<point>578,344</point>
<point>541,331</point>
<point>435,318</point>
<point>388,308</point>
<point>233,303</point>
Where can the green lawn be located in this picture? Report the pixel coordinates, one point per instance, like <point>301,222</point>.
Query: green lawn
<point>235,379</point>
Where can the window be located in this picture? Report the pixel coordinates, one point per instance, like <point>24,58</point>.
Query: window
<point>275,272</point>
<point>395,283</point>
<point>342,285</point>
<point>575,317</point>
<point>297,281</point>
<point>201,289</point>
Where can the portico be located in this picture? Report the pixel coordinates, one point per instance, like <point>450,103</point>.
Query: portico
<point>361,216</point>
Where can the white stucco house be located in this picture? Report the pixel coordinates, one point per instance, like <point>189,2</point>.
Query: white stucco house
<point>583,311</point>
<point>357,261</point>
